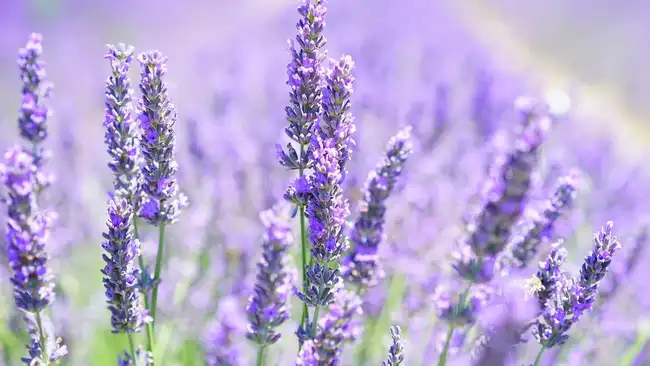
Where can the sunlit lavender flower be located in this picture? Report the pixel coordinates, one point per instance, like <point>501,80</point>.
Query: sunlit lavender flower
<point>121,270</point>
<point>36,90</point>
<point>157,116</point>
<point>361,266</point>
<point>525,246</point>
<point>308,355</point>
<point>396,351</point>
<point>505,198</point>
<point>122,133</point>
<point>335,329</point>
<point>269,305</point>
<point>53,345</point>
<point>337,122</point>
<point>27,233</point>
<point>304,78</point>
<point>574,297</point>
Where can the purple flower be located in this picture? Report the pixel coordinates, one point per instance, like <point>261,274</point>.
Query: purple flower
<point>335,329</point>
<point>27,233</point>
<point>573,297</point>
<point>337,122</point>
<point>304,79</point>
<point>157,117</point>
<point>505,195</point>
<point>396,351</point>
<point>550,273</point>
<point>539,229</point>
<point>142,358</point>
<point>122,135</point>
<point>269,305</point>
<point>121,272</point>
<point>222,337</point>
<point>361,266</point>
<point>35,89</point>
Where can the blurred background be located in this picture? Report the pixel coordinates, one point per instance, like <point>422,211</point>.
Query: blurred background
<point>441,65</point>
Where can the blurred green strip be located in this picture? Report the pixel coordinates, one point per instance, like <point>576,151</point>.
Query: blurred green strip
<point>632,353</point>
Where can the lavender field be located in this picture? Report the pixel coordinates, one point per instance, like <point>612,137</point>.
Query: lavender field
<point>318,183</point>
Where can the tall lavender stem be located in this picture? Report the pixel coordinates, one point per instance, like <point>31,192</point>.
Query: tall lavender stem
<point>122,139</point>
<point>304,79</point>
<point>162,201</point>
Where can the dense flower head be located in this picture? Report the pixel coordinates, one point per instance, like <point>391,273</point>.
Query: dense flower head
<point>121,272</point>
<point>26,232</point>
<point>337,327</point>
<point>157,116</point>
<point>122,134</point>
<point>396,350</point>
<point>550,273</point>
<point>361,265</point>
<point>305,76</point>
<point>575,296</point>
<point>336,121</point>
<point>539,228</point>
<point>36,89</point>
<point>460,310</point>
<point>269,305</point>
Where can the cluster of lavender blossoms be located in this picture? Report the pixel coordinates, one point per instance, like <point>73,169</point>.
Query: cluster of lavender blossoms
<point>339,254</point>
<point>28,228</point>
<point>361,266</point>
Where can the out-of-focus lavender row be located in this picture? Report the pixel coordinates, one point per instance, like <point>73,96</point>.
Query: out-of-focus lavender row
<point>416,64</point>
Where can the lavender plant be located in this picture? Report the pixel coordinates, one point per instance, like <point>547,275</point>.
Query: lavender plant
<point>213,285</point>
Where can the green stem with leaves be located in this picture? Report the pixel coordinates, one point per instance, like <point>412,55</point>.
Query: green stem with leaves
<point>45,357</point>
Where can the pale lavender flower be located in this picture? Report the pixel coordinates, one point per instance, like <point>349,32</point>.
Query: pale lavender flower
<point>361,266</point>
<point>304,78</point>
<point>550,273</point>
<point>35,89</point>
<point>162,202</point>
<point>308,355</point>
<point>269,305</point>
<point>121,272</point>
<point>27,233</point>
<point>396,351</point>
<point>505,196</point>
<point>122,134</point>
<point>222,337</point>
<point>54,345</point>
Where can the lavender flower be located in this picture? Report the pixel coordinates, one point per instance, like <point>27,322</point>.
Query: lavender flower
<point>361,266</point>
<point>157,117</point>
<point>27,233</point>
<point>337,122</point>
<point>525,246</point>
<point>550,273</point>
<point>305,74</point>
<point>36,90</point>
<point>121,270</point>
<point>574,297</point>
<point>269,305</point>
<point>221,339</point>
<point>335,329</point>
<point>396,351</point>
<point>505,198</point>
<point>122,135</point>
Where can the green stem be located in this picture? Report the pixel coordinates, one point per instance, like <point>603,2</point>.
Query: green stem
<point>260,356</point>
<point>538,359</point>
<point>442,361</point>
<point>315,321</point>
<point>41,335</point>
<point>156,274</point>
<point>129,335</point>
<point>145,296</point>
<point>304,247</point>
